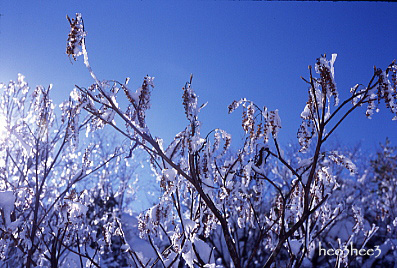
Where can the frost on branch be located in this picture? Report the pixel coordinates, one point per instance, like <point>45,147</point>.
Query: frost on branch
<point>325,69</point>
<point>76,36</point>
<point>190,101</point>
<point>317,108</point>
<point>144,100</point>
<point>305,134</point>
<point>384,88</point>
<point>343,161</point>
<point>269,122</point>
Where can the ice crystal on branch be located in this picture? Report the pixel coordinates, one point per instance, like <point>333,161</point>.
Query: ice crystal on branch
<point>343,161</point>
<point>326,70</point>
<point>269,122</point>
<point>76,36</point>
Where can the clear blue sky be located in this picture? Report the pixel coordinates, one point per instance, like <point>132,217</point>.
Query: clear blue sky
<point>256,50</point>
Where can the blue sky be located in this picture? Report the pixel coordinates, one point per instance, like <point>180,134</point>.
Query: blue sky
<point>256,50</point>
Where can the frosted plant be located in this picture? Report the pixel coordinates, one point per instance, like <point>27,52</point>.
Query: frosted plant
<point>43,171</point>
<point>212,210</point>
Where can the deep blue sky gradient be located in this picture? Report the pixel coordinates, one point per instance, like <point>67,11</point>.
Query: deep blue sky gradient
<point>256,50</point>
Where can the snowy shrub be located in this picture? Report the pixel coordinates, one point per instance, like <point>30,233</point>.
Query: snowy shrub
<point>45,201</point>
<point>63,199</point>
<point>253,206</point>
